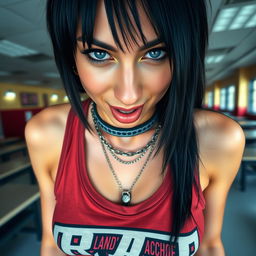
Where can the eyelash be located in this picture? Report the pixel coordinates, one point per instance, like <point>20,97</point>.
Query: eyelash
<point>87,51</point>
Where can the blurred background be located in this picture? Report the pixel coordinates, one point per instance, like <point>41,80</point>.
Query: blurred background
<point>29,82</point>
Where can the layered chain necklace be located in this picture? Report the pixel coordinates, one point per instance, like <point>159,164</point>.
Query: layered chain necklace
<point>125,193</point>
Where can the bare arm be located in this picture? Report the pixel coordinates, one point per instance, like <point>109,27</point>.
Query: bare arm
<point>225,158</point>
<point>44,149</point>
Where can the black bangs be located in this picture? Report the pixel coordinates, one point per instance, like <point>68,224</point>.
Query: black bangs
<point>123,14</point>
<point>87,15</point>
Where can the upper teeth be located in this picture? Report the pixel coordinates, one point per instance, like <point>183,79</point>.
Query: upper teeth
<point>126,112</point>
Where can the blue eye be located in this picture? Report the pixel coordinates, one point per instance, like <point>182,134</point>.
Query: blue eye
<point>156,54</point>
<point>99,56</point>
<point>95,55</point>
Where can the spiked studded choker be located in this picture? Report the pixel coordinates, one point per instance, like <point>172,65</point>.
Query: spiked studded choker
<point>123,132</point>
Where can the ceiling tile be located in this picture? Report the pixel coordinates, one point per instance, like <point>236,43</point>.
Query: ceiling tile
<point>23,9</point>
<point>33,39</point>
<point>9,2</point>
<point>227,39</point>
<point>12,24</point>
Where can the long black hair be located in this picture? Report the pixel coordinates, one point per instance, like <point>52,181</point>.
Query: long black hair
<point>182,26</point>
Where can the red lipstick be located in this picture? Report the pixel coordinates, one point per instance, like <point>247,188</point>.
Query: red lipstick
<point>124,115</point>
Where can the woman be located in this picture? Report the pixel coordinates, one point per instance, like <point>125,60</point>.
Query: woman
<point>119,173</point>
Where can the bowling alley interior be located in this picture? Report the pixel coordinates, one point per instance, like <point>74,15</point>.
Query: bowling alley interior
<point>30,82</point>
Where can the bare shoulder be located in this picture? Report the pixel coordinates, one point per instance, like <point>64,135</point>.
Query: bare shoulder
<point>44,125</point>
<point>221,142</point>
<point>45,131</point>
<point>218,124</point>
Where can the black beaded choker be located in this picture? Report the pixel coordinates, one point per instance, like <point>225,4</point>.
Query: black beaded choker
<point>123,132</point>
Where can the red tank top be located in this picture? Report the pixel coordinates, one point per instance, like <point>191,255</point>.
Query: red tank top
<point>86,223</point>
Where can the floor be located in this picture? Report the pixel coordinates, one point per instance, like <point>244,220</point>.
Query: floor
<point>239,228</point>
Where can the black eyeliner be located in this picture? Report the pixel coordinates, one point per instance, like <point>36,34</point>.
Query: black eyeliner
<point>89,50</point>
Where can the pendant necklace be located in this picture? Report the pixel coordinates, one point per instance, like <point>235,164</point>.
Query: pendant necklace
<point>126,193</point>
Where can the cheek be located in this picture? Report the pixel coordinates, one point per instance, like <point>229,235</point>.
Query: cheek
<point>94,80</point>
<point>159,79</point>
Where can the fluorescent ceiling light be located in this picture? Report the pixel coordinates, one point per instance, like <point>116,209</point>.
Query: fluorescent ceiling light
<point>218,28</point>
<point>236,18</point>
<point>219,58</point>
<point>224,18</point>
<point>4,73</point>
<point>248,9</point>
<point>242,17</point>
<point>214,59</point>
<point>209,59</point>
<point>14,50</point>
<point>52,75</point>
<point>228,12</point>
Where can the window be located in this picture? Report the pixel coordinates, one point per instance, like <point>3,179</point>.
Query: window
<point>223,98</point>
<point>227,98</point>
<point>231,98</point>
<point>252,97</point>
<point>210,99</point>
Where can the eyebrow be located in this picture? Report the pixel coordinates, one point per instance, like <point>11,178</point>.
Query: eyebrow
<point>111,48</point>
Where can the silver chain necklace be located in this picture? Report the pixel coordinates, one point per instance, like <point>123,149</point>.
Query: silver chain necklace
<point>137,158</point>
<point>126,193</point>
<point>154,138</point>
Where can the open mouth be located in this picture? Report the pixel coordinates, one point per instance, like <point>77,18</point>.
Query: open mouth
<point>126,116</point>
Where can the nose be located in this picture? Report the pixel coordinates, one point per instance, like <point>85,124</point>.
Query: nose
<point>128,89</point>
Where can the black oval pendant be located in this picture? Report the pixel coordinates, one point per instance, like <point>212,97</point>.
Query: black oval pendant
<point>126,197</point>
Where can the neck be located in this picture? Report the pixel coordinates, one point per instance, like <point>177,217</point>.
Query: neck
<point>132,143</point>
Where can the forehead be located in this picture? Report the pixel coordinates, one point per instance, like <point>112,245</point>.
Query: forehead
<point>102,30</point>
